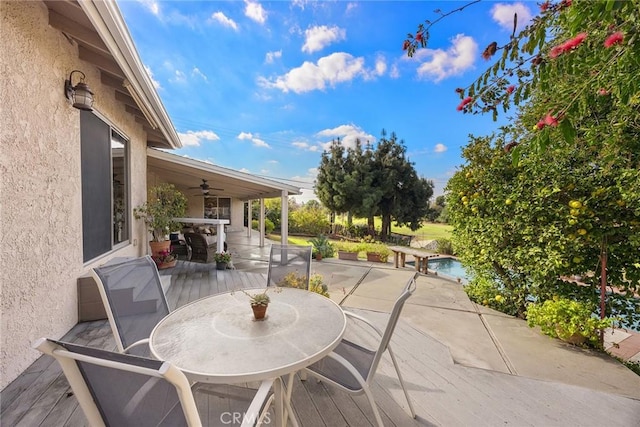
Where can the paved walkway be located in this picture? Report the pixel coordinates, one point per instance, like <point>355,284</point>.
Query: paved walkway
<point>475,335</point>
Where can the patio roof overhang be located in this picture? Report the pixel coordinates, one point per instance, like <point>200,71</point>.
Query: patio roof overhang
<point>103,40</point>
<point>185,172</point>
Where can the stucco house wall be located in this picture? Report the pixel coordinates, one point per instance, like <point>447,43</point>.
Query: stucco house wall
<point>40,187</point>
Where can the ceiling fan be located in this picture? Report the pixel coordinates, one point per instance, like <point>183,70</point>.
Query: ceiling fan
<point>204,188</point>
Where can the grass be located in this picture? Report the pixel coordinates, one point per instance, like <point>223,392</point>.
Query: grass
<point>428,231</point>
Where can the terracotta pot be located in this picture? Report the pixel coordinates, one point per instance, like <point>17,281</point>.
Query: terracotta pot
<point>259,311</point>
<point>318,256</point>
<point>169,264</point>
<point>158,247</point>
<point>351,256</point>
<point>373,257</point>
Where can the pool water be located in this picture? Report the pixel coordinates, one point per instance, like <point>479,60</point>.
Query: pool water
<point>448,267</point>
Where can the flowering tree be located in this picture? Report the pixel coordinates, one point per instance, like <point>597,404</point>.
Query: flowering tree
<point>594,44</point>
<point>558,194</point>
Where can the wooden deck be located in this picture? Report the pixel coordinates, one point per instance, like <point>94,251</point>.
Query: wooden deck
<point>443,393</point>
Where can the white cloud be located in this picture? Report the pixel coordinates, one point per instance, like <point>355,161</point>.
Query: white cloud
<point>178,77</point>
<point>318,37</point>
<point>395,72</point>
<point>314,148</point>
<point>440,148</point>
<point>347,134</point>
<point>193,138</point>
<point>246,136</point>
<point>271,56</point>
<point>453,62</point>
<point>351,7</point>
<point>152,5</point>
<point>196,72</point>
<point>335,68</point>
<point>503,14</point>
<point>222,19</point>
<point>156,84</point>
<point>381,65</point>
<point>255,11</point>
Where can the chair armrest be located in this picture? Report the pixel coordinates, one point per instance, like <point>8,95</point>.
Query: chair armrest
<point>362,319</point>
<point>136,344</point>
<point>259,405</point>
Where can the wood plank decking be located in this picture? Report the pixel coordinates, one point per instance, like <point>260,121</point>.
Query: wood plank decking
<point>443,393</point>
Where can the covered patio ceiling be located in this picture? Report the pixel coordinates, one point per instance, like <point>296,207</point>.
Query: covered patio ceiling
<point>185,172</point>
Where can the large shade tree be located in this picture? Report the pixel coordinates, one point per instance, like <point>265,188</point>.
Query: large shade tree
<point>369,182</point>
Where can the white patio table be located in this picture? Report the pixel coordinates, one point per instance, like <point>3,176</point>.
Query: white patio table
<point>216,340</point>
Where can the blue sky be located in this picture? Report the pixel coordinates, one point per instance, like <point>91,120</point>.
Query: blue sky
<point>264,87</point>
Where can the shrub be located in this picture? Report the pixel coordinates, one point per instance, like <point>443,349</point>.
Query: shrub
<point>348,246</point>
<point>268,225</point>
<point>444,246</point>
<point>564,318</point>
<point>378,248</point>
<point>316,285</point>
<point>488,292</point>
<point>311,221</point>
<point>322,245</point>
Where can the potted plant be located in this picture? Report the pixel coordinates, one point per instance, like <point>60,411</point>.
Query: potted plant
<point>222,259</point>
<point>377,252</point>
<point>259,303</point>
<point>571,321</point>
<point>164,203</point>
<point>348,250</point>
<point>164,259</point>
<point>322,248</point>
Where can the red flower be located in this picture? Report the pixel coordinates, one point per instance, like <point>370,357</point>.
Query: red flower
<point>566,3</point>
<point>549,120</point>
<point>540,124</point>
<point>568,45</point>
<point>511,88</point>
<point>544,6</point>
<point>614,39</point>
<point>603,92</point>
<point>419,37</point>
<point>464,102</point>
<point>406,45</point>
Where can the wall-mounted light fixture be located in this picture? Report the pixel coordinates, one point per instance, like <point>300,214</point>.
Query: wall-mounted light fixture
<point>80,94</point>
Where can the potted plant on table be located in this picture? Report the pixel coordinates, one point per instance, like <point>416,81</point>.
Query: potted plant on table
<point>259,303</point>
<point>164,203</point>
<point>222,259</point>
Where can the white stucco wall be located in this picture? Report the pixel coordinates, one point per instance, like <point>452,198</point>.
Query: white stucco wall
<point>40,187</point>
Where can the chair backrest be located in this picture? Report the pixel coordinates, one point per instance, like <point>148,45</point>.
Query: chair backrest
<point>116,389</point>
<point>133,298</point>
<point>200,248</point>
<point>407,291</point>
<point>289,265</point>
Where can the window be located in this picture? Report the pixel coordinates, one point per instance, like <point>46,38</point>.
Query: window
<point>105,177</point>
<point>217,208</point>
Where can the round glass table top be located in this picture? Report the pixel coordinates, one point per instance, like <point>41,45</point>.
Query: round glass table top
<point>217,340</point>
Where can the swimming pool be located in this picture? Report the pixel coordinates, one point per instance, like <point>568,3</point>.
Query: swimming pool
<point>448,267</point>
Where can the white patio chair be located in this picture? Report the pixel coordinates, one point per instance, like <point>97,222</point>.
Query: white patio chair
<point>133,299</point>
<point>125,390</point>
<point>352,367</point>
<point>289,265</point>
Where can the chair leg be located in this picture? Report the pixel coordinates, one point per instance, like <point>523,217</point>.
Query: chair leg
<point>404,389</point>
<point>372,402</point>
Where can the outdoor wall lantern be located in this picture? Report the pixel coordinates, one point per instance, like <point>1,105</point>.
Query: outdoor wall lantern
<point>80,94</point>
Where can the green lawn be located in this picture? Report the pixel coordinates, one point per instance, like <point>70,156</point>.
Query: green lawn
<point>428,231</point>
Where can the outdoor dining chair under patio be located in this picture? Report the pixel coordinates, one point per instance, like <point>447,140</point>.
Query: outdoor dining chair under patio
<point>133,299</point>
<point>116,389</point>
<point>351,367</point>
<point>289,265</point>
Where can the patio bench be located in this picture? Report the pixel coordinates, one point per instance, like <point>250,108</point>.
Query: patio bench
<point>421,257</point>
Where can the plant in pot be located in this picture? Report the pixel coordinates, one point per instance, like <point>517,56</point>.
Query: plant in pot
<point>164,203</point>
<point>222,259</point>
<point>377,252</point>
<point>165,259</point>
<point>348,250</point>
<point>259,303</point>
<point>322,248</point>
<point>571,321</point>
